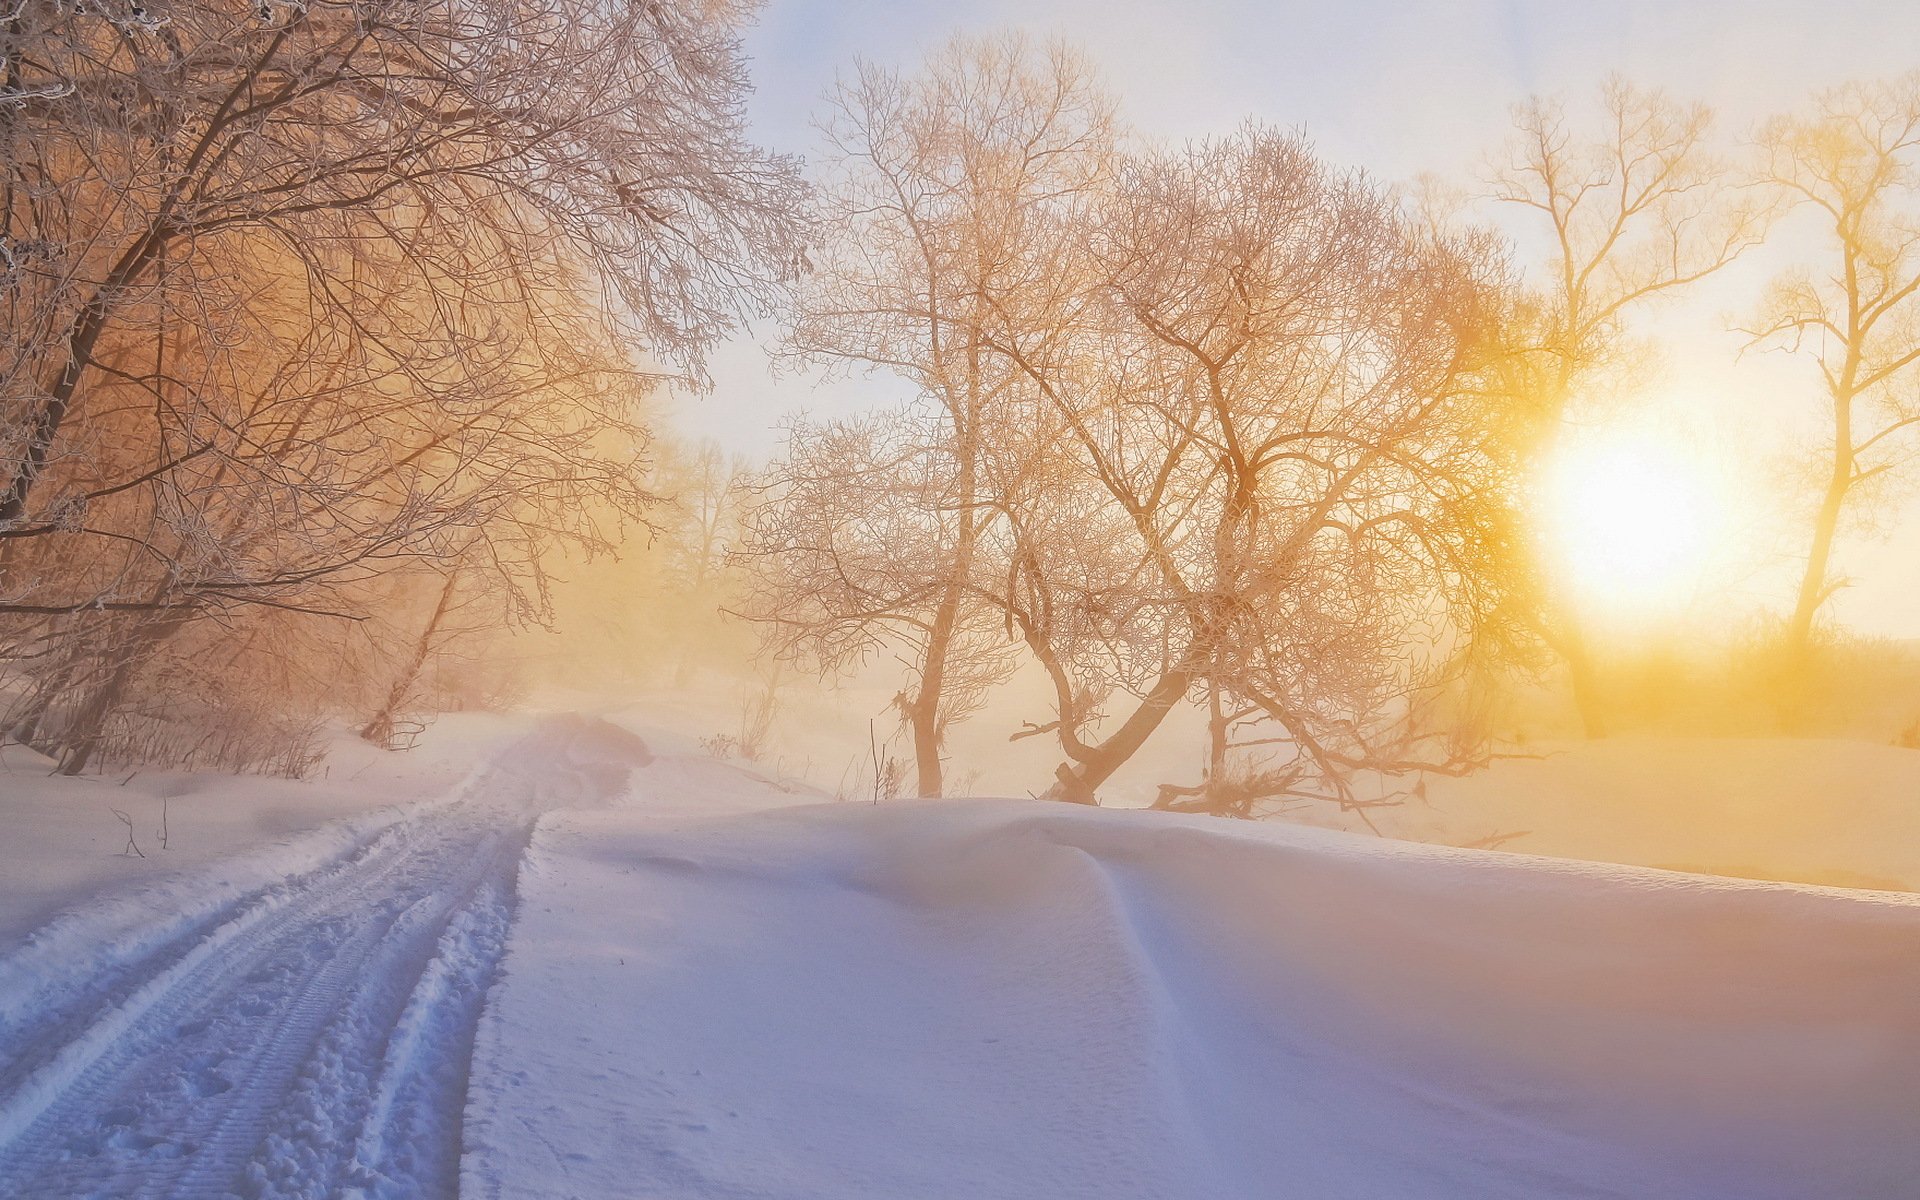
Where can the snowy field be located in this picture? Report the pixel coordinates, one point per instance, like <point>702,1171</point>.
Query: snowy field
<point>547,958</point>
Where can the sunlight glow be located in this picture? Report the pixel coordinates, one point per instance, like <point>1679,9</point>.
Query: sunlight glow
<point>1631,519</point>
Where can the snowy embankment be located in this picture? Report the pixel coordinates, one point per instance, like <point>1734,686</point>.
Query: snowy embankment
<point>979,999</point>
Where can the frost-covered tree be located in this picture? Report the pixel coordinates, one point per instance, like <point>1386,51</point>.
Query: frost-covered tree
<point>1632,209</point>
<point>1217,424</point>
<point>1854,160</point>
<point>1269,470</point>
<point>300,294</point>
<point>942,189</point>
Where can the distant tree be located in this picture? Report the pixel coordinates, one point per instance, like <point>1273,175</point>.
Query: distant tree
<point>706,487</point>
<point>660,608</point>
<point>1854,159</point>
<point>420,633</point>
<point>1634,211</point>
<point>849,555</point>
<point>706,490</point>
<point>940,187</point>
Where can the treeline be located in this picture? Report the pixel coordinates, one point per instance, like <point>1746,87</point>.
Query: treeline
<point>1222,424</point>
<point>330,331</point>
<point>324,327</point>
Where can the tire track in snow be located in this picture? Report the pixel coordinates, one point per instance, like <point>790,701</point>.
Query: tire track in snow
<point>41,1016</point>
<point>315,1042</point>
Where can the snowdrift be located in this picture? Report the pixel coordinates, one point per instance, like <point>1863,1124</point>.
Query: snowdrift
<point>978,999</point>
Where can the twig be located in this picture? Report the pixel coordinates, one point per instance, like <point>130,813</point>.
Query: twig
<point>132,847</point>
<point>1494,841</point>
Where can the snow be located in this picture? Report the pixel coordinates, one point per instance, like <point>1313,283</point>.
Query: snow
<point>1003,999</point>
<point>297,1021</point>
<point>1826,811</point>
<point>1802,810</point>
<point>546,957</point>
<point>62,844</point>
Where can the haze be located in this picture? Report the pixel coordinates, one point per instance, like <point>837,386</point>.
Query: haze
<point>1052,600</point>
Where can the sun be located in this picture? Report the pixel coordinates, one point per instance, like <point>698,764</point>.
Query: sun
<point>1631,519</point>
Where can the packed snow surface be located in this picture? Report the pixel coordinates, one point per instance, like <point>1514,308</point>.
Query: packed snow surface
<point>584,965</point>
<point>307,1036</point>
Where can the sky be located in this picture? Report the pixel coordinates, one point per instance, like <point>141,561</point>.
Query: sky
<point>1403,89</point>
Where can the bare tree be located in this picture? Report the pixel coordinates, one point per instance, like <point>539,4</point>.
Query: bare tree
<point>940,185</point>
<point>387,726</point>
<point>1267,468</point>
<point>301,295</point>
<point>663,606</point>
<point>706,490</point>
<point>849,556</point>
<point>1634,212</point>
<point>325,469</point>
<point>1854,159</point>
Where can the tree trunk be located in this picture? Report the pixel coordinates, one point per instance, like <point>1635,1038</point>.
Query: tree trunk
<point>1077,782</point>
<point>1584,679</point>
<point>379,727</point>
<point>52,412</point>
<point>1217,724</point>
<point>81,738</point>
<point>1813,583</point>
<point>1797,660</point>
<point>924,715</point>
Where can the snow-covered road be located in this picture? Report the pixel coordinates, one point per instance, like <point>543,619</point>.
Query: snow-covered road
<point>309,1038</point>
